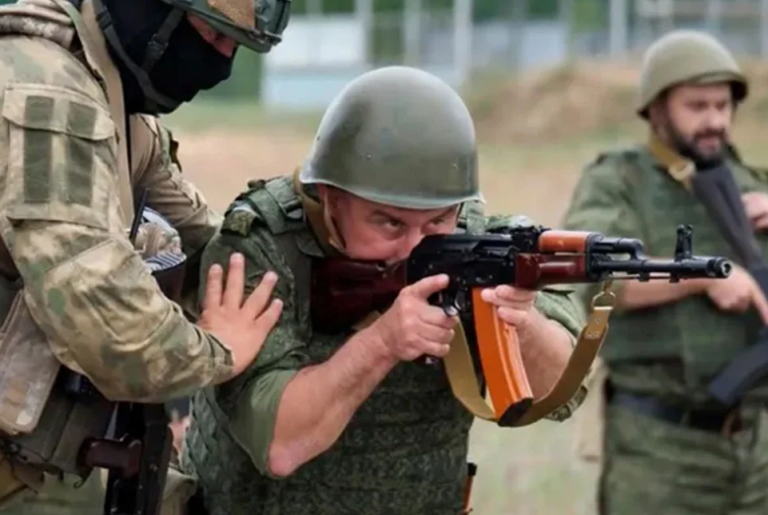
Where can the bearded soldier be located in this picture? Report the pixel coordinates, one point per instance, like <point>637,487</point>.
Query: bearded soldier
<point>81,83</point>
<point>340,419</point>
<point>670,444</point>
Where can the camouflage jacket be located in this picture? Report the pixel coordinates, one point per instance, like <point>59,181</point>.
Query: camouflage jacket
<point>67,201</point>
<point>403,451</point>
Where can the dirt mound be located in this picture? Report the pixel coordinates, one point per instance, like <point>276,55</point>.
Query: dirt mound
<point>574,100</point>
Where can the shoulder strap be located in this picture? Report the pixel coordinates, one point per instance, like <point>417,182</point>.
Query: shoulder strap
<point>472,218</point>
<point>274,204</point>
<point>83,16</point>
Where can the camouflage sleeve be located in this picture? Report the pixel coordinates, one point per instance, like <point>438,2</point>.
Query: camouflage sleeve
<point>86,287</point>
<point>250,400</point>
<point>168,191</point>
<point>557,303</point>
<point>601,202</point>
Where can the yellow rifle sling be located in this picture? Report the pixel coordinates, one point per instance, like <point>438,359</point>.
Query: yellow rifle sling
<point>466,388</point>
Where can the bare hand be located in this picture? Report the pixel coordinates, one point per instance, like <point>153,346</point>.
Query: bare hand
<point>738,293</point>
<point>179,430</point>
<point>514,305</point>
<point>241,326</point>
<point>412,327</point>
<point>756,206</point>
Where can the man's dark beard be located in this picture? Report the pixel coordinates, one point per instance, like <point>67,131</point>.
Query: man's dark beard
<point>688,148</point>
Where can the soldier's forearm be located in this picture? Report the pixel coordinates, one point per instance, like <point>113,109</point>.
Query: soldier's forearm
<point>638,295</point>
<point>318,403</point>
<point>545,349</point>
<point>106,317</point>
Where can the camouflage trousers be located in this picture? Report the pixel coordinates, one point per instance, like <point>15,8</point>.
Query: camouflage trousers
<point>654,467</point>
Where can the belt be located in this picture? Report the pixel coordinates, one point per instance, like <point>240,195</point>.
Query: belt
<point>712,420</point>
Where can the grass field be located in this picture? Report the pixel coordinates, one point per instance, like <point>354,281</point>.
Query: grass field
<point>529,164</point>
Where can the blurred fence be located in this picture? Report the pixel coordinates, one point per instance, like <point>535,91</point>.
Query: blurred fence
<point>328,42</point>
<point>331,41</point>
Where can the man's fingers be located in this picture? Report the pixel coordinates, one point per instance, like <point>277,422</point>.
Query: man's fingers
<point>437,350</point>
<point>748,204</point>
<point>434,334</point>
<point>269,318</point>
<point>213,287</point>
<point>760,222</point>
<point>429,285</point>
<point>233,294</point>
<point>512,316</point>
<point>506,296</point>
<point>761,304</point>
<point>257,300</point>
<point>436,316</point>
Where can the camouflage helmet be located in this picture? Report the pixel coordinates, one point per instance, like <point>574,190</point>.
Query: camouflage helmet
<point>691,57</point>
<point>255,24</point>
<point>397,136</point>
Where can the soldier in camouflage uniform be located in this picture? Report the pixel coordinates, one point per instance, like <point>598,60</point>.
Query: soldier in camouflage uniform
<point>81,85</point>
<point>343,421</point>
<point>667,447</point>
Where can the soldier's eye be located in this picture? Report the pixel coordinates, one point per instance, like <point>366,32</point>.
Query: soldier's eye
<point>392,223</point>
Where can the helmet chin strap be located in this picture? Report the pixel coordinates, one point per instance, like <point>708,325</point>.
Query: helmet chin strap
<point>334,236</point>
<point>154,100</point>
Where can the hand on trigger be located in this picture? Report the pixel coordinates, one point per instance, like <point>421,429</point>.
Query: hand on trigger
<point>514,305</point>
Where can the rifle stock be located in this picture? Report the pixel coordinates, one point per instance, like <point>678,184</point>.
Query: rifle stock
<point>143,441</point>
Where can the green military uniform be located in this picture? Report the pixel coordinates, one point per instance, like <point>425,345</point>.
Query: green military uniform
<point>404,451</point>
<point>666,449</point>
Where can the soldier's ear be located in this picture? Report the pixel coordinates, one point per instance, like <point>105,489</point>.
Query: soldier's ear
<point>656,112</point>
<point>323,193</point>
<point>329,195</point>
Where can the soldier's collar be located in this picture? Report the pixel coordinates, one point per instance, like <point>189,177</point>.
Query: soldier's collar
<point>314,213</point>
<point>678,167</point>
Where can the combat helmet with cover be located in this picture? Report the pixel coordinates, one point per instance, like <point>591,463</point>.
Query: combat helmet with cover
<point>691,57</point>
<point>397,136</point>
<point>254,24</point>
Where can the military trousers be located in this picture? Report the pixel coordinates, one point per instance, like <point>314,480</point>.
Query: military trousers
<point>652,466</point>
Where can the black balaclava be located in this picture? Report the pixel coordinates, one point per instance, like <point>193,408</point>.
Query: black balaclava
<point>187,65</point>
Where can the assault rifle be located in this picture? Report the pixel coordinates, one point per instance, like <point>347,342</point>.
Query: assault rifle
<point>345,291</point>
<point>716,189</point>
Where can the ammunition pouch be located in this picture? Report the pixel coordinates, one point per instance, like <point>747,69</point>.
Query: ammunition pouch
<point>44,421</point>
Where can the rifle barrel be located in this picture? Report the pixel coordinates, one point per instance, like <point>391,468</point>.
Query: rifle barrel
<point>718,268</point>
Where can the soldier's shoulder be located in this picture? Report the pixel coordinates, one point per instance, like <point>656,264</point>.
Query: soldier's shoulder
<point>44,87</point>
<point>266,207</point>
<point>499,222</point>
<point>617,158</point>
<point>613,169</point>
<point>758,171</point>
<point>44,68</point>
